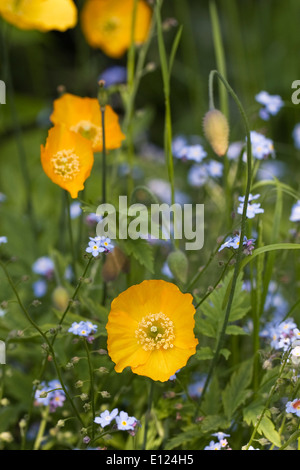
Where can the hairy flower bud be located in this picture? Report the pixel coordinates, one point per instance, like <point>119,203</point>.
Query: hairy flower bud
<point>216,130</point>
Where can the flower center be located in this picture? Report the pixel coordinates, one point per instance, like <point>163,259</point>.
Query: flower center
<point>296,405</point>
<point>88,131</point>
<point>66,164</point>
<point>155,331</point>
<point>111,24</point>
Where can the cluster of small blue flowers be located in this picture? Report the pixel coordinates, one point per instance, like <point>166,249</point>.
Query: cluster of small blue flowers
<point>99,245</point>
<point>252,208</point>
<point>234,242</point>
<point>272,104</point>
<point>123,421</point>
<point>51,394</point>
<point>262,147</point>
<point>183,150</point>
<point>199,174</point>
<point>221,444</point>
<point>281,335</point>
<point>83,328</point>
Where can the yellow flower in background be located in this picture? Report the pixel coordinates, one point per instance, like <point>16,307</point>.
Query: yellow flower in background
<point>67,159</point>
<point>42,15</point>
<point>106,24</point>
<point>150,329</point>
<point>83,116</point>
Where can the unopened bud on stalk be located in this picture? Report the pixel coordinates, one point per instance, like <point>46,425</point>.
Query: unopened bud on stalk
<point>216,130</point>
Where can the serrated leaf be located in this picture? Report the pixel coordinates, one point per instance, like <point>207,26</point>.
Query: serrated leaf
<point>214,423</point>
<point>189,435</point>
<point>236,391</point>
<point>214,311</point>
<point>204,353</point>
<point>141,250</point>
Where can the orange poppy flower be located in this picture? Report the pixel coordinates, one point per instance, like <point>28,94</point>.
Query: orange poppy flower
<point>106,24</point>
<point>150,329</point>
<point>83,115</point>
<point>43,15</point>
<point>67,159</point>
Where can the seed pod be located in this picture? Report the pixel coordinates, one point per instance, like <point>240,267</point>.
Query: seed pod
<point>216,130</point>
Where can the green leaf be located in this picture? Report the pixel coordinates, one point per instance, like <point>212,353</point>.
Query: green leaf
<point>142,251</point>
<point>214,423</point>
<point>204,353</point>
<point>236,391</point>
<point>214,310</point>
<point>267,428</point>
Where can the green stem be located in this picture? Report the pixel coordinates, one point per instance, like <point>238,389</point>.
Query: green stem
<point>18,135</point>
<point>168,118</point>
<point>92,390</point>
<point>43,335</point>
<point>148,413</point>
<point>70,230</point>
<point>273,389</point>
<point>242,233</point>
<point>104,195</point>
<point>41,430</point>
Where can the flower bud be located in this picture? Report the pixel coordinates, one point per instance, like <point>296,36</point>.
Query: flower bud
<point>216,130</point>
<point>60,298</point>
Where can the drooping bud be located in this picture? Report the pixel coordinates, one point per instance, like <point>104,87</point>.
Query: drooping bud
<point>216,130</point>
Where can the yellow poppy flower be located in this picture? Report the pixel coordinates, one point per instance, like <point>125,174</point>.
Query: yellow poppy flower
<point>83,115</point>
<point>150,329</point>
<point>42,15</point>
<point>106,24</point>
<point>67,159</point>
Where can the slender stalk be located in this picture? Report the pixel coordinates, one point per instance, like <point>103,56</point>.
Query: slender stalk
<point>148,413</point>
<point>92,390</point>
<point>243,227</point>
<point>43,335</point>
<point>273,389</point>
<point>42,428</point>
<point>18,133</point>
<point>165,68</point>
<point>216,283</point>
<point>70,230</point>
<point>104,195</point>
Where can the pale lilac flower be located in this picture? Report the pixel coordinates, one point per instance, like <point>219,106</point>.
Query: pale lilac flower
<point>125,422</point>
<point>113,75</point>
<point>271,104</point>
<point>252,208</point>
<point>99,245</point>
<point>83,328</point>
<point>295,214</point>
<point>50,395</point>
<point>296,136</point>
<point>234,242</point>
<point>75,210</point>
<point>3,240</point>
<point>106,417</point>
<point>262,147</point>
<point>293,407</point>
<point>234,150</point>
<point>213,446</point>
<point>44,266</point>
<point>40,288</point>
